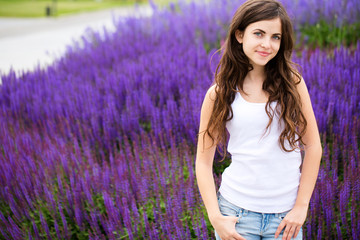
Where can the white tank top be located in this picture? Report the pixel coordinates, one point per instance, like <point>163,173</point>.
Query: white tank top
<point>261,177</point>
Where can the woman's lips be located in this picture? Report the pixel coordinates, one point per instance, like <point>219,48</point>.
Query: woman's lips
<point>264,54</point>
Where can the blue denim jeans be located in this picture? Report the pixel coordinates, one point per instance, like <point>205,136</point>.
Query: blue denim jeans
<point>253,225</point>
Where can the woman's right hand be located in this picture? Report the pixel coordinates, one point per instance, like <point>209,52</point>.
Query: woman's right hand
<point>225,227</point>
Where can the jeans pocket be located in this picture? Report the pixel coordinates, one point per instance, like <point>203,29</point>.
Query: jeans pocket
<point>226,208</point>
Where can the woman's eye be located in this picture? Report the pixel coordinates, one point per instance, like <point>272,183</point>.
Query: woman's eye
<point>277,37</point>
<point>258,34</point>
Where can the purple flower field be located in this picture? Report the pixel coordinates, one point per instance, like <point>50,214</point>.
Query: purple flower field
<point>101,145</point>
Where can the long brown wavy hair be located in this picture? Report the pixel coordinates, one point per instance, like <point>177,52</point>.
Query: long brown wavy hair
<point>280,83</point>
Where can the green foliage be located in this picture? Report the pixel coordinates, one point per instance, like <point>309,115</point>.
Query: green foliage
<point>36,8</point>
<point>42,207</point>
<point>219,166</point>
<point>186,172</point>
<point>325,34</point>
<point>146,125</point>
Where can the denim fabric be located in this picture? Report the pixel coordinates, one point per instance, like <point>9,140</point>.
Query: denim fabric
<point>253,225</point>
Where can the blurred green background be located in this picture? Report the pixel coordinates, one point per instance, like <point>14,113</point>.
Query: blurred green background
<point>37,8</point>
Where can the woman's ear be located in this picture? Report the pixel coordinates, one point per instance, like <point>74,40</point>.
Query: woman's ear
<point>239,36</point>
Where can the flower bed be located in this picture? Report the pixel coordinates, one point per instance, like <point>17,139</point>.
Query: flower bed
<point>102,143</point>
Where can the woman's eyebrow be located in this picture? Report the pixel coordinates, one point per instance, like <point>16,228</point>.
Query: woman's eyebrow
<point>260,30</point>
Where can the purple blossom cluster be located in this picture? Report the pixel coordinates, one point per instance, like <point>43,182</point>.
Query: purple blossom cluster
<point>101,145</point>
<point>142,190</point>
<point>311,12</point>
<point>333,83</point>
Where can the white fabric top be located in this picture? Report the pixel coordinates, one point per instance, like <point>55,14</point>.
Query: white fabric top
<point>261,177</point>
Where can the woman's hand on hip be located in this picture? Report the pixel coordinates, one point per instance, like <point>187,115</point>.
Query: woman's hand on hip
<point>225,227</point>
<point>292,223</point>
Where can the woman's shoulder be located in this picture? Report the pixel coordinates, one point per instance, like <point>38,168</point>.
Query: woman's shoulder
<point>302,87</point>
<point>211,93</point>
<point>296,77</point>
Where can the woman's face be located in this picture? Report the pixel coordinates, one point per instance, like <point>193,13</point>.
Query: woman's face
<point>261,41</point>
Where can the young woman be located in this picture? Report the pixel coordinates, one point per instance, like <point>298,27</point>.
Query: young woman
<point>261,100</point>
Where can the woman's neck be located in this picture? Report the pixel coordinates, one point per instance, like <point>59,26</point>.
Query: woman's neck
<point>257,75</point>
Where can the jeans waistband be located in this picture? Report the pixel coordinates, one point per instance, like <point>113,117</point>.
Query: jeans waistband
<point>246,211</point>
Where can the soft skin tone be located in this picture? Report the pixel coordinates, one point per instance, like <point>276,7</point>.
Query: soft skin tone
<point>261,41</point>
<point>260,47</point>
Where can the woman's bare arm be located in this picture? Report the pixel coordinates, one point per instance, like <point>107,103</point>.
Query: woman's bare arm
<point>313,150</point>
<point>205,157</point>
<point>224,225</point>
<point>310,169</point>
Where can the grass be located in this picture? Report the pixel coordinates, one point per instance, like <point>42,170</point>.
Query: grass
<point>37,8</point>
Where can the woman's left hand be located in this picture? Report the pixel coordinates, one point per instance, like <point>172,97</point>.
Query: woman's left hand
<point>292,222</point>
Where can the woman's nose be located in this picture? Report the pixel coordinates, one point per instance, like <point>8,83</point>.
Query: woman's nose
<point>265,43</point>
